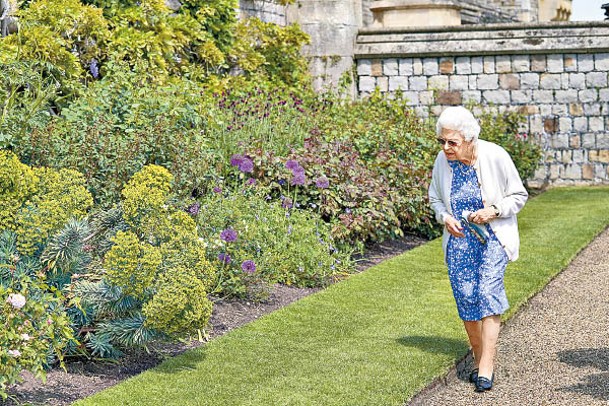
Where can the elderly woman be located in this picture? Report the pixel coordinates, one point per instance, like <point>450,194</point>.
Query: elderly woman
<point>476,192</point>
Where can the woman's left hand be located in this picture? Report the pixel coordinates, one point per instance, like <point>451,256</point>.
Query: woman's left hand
<point>482,216</point>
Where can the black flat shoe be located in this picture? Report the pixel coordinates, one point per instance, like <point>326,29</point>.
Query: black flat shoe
<point>484,384</point>
<point>473,376</point>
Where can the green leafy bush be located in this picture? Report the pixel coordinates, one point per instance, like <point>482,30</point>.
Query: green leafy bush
<point>159,256</point>
<point>503,129</point>
<point>37,202</point>
<point>119,125</point>
<point>258,242</point>
<point>35,328</point>
<point>26,92</point>
<point>272,52</point>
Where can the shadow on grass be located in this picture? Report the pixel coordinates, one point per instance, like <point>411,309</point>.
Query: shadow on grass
<point>595,385</point>
<point>187,361</point>
<point>459,349</point>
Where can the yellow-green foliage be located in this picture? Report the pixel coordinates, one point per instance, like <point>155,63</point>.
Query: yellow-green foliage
<point>35,202</point>
<point>82,27</point>
<point>39,43</point>
<point>191,255</point>
<point>145,194</point>
<point>180,305</point>
<point>65,33</point>
<point>161,260</point>
<point>151,35</point>
<point>271,51</point>
<point>61,195</point>
<point>18,183</point>
<point>131,264</point>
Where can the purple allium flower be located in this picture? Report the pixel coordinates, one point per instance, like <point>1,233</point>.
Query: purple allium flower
<point>236,159</point>
<point>348,210</point>
<point>93,68</point>
<point>17,300</point>
<point>289,229</point>
<point>299,170</point>
<point>229,235</point>
<point>246,165</point>
<point>299,179</point>
<point>322,182</point>
<point>224,258</point>
<point>251,181</point>
<point>217,189</point>
<point>292,164</point>
<point>194,208</point>
<point>287,203</point>
<point>248,266</point>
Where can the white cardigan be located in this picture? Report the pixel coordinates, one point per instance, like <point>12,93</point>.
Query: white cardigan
<point>500,185</point>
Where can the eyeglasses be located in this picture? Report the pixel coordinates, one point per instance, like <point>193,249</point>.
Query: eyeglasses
<point>451,143</point>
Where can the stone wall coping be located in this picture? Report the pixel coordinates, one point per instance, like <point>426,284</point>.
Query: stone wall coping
<point>484,39</point>
<point>407,4</point>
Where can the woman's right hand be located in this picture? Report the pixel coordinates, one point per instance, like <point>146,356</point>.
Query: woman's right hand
<point>453,226</point>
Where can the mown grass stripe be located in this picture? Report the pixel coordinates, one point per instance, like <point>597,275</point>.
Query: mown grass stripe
<point>374,339</point>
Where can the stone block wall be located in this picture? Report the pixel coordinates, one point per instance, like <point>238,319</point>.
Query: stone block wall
<point>562,90</point>
<point>266,10</point>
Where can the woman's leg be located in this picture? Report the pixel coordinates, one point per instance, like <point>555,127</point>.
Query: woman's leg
<point>489,333</point>
<point>474,332</point>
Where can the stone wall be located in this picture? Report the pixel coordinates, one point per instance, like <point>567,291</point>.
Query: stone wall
<point>266,10</point>
<point>333,26</point>
<point>555,73</point>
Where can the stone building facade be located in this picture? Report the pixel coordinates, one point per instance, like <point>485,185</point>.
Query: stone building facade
<point>555,74</point>
<point>334,24</point>
<point>500,54</point>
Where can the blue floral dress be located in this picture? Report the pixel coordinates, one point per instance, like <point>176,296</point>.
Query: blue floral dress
<point>475,269</point>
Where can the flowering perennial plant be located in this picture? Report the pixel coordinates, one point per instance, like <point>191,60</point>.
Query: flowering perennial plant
<point>34,329</point>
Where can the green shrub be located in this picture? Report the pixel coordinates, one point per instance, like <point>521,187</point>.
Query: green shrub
<point>160,255</point>
<point>38,202</point>
<point>286,245</point>
<point>179,304</point>
<point>26,94</point>
<point>119,125</point>
<point>131,264</point>
<point>270,51</point>
<point>503,129</point>
<point>34,329</point>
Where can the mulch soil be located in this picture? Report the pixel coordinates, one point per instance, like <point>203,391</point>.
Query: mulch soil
<point>86,377</point>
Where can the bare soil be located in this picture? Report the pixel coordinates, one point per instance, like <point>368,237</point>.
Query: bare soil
<point>86,377</point>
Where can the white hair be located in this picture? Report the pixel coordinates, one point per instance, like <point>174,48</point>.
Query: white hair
<point>459,119</point>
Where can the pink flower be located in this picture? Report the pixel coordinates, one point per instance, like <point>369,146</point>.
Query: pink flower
<point>17,300</point>
<point>14,353</point>
<point>25,337</point>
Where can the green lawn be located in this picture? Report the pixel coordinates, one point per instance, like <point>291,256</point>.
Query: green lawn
<point>374,339</point>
